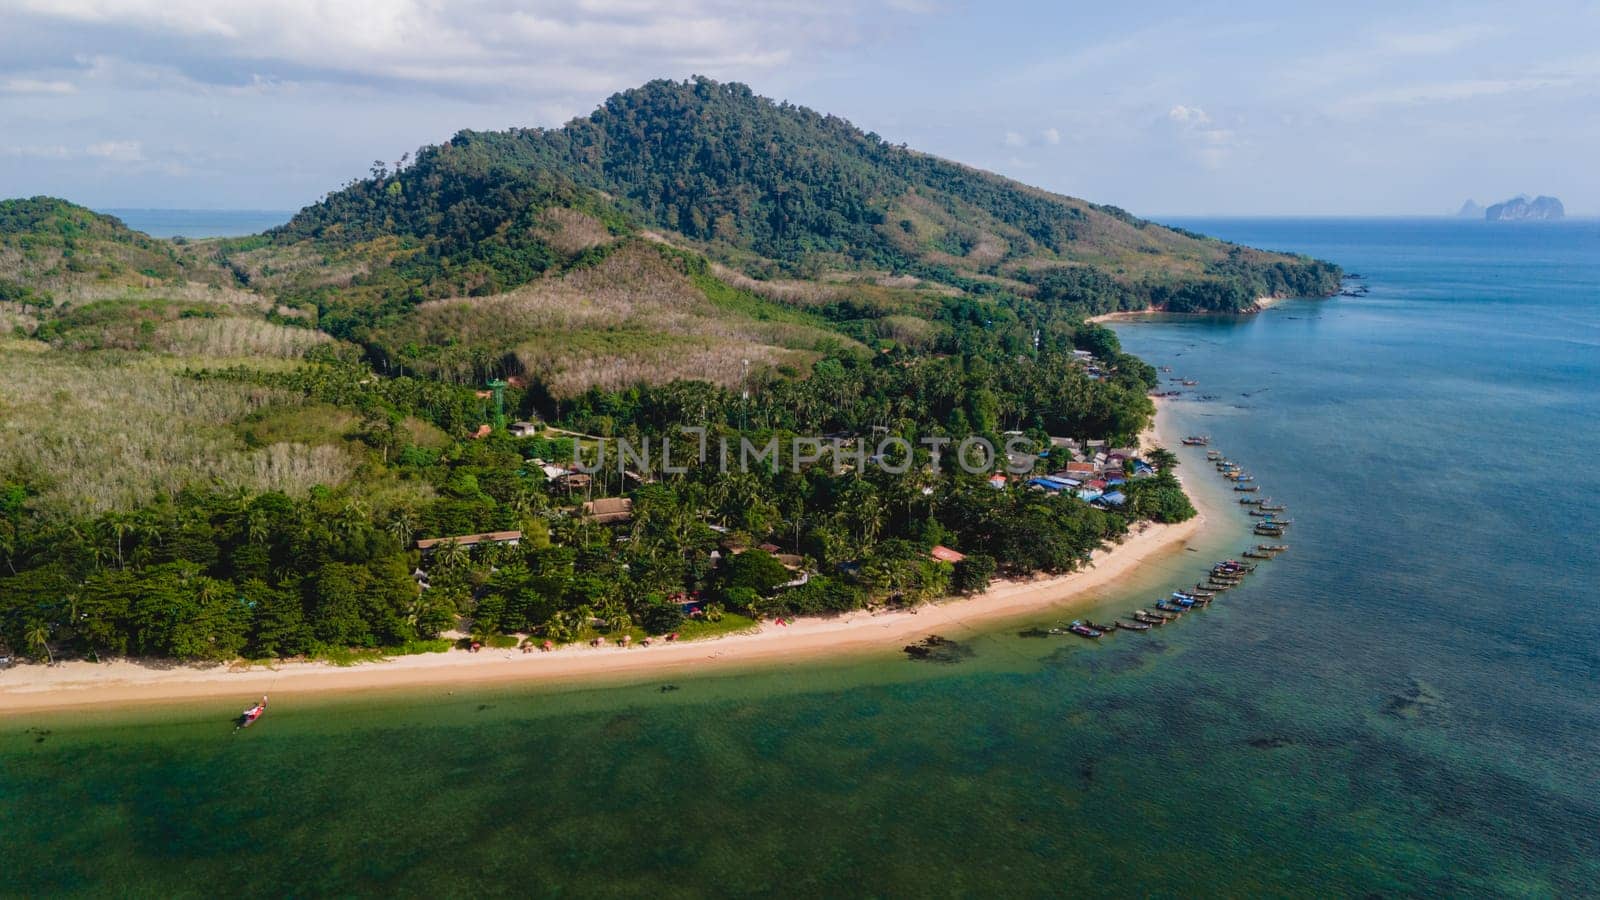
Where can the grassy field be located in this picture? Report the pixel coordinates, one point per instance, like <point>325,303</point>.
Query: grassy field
<point>103,431</point>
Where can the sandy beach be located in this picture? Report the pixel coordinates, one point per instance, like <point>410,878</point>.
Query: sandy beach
<point>1261,304</point>
<point>26,688</point>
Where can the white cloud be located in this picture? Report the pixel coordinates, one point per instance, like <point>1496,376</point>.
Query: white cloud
<point>525,46</point>
<point>1444,92</point>
<point>1211,144</point>
<point>1014,139</point>
<point>36,86</point>
<point>1051,136</point>
<point>1431,43</point>
<point>117,151</point>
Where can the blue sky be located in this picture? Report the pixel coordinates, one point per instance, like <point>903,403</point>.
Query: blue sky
<point>1163,108</point>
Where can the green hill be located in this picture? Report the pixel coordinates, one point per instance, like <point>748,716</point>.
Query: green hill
<point>777,191</point>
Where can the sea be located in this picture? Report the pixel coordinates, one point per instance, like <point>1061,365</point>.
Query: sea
<point>200,223</point>
<point>1404,703</point>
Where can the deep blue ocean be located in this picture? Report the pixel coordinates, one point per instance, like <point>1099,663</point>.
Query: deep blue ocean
<point>1403,704</point>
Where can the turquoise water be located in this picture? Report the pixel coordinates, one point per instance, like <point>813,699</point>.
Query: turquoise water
<point>200,223</point>
<point>1403,704</point>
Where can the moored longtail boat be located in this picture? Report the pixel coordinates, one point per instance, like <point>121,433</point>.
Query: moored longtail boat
<point>1134,625</point>
<point>1272,548</point>
<point>1082,630</point>
<point>1257,554</point>
<point>1247,488</point>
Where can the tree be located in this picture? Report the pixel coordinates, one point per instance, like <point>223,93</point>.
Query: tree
<point>973,574</point>
<point>756,570</point>
<point>38,637</point>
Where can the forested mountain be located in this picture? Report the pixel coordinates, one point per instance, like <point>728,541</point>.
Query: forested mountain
<point>779,190</point>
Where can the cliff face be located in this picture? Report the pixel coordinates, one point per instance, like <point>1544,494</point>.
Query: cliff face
<point>1519,209</point>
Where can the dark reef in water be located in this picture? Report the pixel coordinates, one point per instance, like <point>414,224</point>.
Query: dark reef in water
<point>935,648</point>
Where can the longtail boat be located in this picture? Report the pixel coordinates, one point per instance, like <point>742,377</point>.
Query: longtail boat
<point>1271,507</point>
<point>1197,440</point>
<point>1134,625</point>
<point>249,716</point>
<point>1250,501</point>
<point>1272,548</point>
<point>1247,488</point>
<point>1082,630</point>
<point>1257,554</point>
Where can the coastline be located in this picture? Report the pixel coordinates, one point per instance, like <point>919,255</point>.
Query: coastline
<point>1134,315</point>
<point>34,688</point>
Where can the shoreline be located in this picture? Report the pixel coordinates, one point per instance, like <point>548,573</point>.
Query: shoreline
<point>34,688</point>
<point>1132,315</point>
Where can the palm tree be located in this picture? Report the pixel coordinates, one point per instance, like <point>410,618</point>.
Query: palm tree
<point>452,555</point>
<point>38,638</point>
<point>403,525</point>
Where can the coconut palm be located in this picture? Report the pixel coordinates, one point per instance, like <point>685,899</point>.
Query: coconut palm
<point>38,638</point>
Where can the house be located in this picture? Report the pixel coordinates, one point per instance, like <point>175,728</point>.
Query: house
<point>523,429</point>
<point>609,511</point>
<point>1053,484</point>
<point>1021,462</point>
<point>997,481</point>
<point>1116,478</point>
<point>945,554</point>
<point>571,479</point>
<point>472,540</point>
<point>1113,498</point>
<point>1095,484</point>
<point>1088,494</point>
<point>1079,470</point>
<point>1125,452</point>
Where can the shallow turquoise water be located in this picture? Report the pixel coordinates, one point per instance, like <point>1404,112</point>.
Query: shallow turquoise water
<point>1401,704</point>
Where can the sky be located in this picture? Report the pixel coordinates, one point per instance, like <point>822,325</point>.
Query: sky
<point>1161,108</point>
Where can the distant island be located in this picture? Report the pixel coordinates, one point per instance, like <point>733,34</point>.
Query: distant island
<point>1518,209</point>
